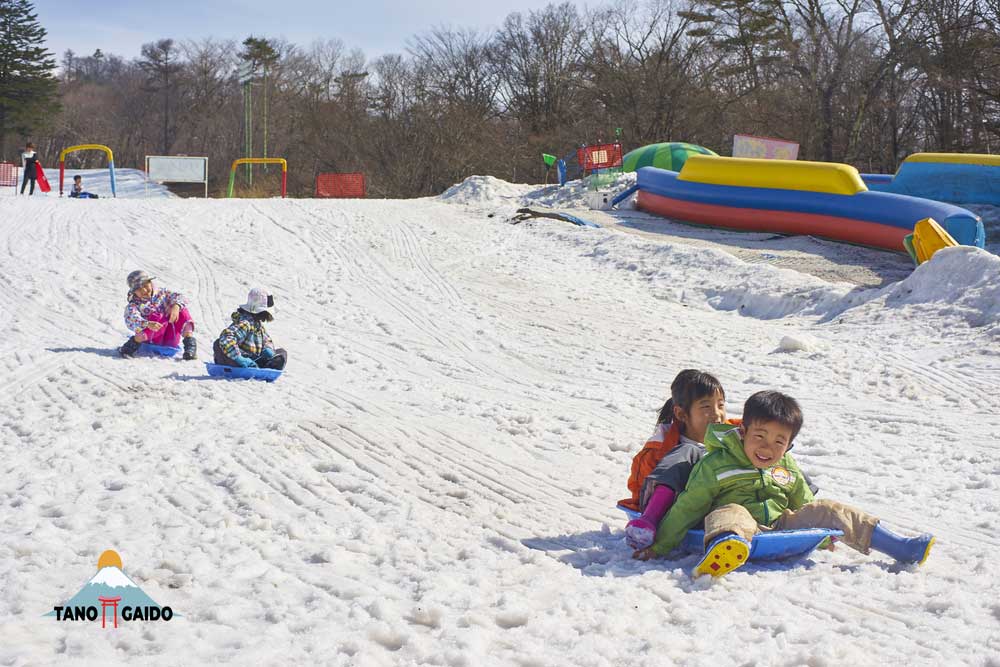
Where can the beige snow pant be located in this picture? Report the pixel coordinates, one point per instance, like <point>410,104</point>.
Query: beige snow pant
<point>857,525</point>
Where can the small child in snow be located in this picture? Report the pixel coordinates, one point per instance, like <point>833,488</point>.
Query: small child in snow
<point>245,342</point>
<point>78,191</point>
<point>749,483</point>
<point>660,470</point>
<point>157,316</point>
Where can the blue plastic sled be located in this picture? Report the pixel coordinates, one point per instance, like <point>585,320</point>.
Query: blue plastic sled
<point>162,350</point>
<point>236,372</point>
<point>774,545</point>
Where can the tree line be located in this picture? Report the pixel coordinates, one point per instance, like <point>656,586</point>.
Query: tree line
<point>865,82</point>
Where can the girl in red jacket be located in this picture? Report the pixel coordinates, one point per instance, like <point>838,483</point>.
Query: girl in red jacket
<point>660,470</point>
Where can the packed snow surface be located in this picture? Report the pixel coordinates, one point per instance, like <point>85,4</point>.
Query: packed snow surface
<point>433,479</point>
<point>129,183</point>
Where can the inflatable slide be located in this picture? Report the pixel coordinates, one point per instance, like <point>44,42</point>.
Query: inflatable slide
<point>948,177</point>
<point>795,197</point>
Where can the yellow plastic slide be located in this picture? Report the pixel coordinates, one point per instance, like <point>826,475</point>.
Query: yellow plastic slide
<point>928,238</point>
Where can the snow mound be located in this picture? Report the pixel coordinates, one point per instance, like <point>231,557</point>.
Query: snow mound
<point>962,281</point>
<point>798,343</point>
<point>485,190</point>
<point>496,193</point>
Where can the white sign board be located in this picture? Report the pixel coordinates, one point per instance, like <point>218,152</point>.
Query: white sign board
<point>177,169</point>
<point>745,145</point>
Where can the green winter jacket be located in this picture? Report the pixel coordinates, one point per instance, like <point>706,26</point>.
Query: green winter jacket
<point>725,475</point>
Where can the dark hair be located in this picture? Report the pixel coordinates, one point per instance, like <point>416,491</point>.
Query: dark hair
<point>262,316</point>
<point>78,176</point>
<point>689,386</point>
<point>773,406</point>
<point>29,145</point>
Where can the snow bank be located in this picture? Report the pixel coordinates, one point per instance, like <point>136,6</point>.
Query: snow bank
<point>488,192</point>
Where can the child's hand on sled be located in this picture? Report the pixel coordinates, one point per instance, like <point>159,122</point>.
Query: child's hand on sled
<point>829,544</point>
<point>645,554</point>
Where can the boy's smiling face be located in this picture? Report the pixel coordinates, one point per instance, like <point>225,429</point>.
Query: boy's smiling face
<point>765,443</point>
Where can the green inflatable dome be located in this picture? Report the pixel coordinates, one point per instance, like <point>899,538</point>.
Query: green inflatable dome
<point>671,155</point>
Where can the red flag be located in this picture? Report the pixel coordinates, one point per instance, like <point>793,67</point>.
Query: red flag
<point>43,183</point>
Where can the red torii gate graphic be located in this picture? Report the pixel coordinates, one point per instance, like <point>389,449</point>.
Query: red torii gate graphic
<point>110,602</point>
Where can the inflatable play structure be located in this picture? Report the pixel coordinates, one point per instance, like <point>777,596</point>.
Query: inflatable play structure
<point>260,160</point>
<point>86,147</point>
<point>947,177</point>
<point>794,197</point>
<point>772,545</point>
<point>670,155</point>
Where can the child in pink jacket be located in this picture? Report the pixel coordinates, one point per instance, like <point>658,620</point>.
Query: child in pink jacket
<point>156,316</point>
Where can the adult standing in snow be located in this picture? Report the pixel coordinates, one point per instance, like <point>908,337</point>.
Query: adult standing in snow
<point>29,160</point>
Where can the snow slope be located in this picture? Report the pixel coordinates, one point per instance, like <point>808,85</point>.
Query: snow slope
<point>129,183</point>
<point>433,480</point>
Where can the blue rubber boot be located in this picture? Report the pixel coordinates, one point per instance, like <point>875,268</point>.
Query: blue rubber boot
<point>726,553</point>
<point>903,549</point>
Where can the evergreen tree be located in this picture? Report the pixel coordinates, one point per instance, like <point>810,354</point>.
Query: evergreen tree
<point>28,89</point>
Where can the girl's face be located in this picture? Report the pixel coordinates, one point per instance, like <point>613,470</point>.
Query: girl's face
<point>704,412</point>
<point>145,291</point>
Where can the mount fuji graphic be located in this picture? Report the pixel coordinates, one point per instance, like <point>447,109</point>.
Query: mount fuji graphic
<point>109,582</point>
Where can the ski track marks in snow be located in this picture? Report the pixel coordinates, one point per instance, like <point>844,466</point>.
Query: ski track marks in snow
<point>433,479</point>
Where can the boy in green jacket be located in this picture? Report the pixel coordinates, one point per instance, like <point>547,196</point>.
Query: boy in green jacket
<point>748,483</point>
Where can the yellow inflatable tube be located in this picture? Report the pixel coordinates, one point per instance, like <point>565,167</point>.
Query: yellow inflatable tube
<point>826,177</point>
<point>956,158</point>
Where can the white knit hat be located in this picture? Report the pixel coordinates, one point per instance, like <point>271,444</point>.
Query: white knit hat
<point>258,301</point>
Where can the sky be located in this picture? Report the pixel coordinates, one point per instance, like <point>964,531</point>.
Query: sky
<point>377,27</point>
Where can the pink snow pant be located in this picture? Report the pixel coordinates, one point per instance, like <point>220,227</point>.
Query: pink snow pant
<point>169,334</point>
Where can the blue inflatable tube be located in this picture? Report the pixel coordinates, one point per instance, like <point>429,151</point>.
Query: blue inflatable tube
<point>858,218</point>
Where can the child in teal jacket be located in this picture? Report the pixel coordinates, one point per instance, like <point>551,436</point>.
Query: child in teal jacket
<point>748,483</point>
<point>246,342</point>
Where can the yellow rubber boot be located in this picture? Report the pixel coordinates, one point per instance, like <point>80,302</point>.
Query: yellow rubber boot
<point>726,553</point>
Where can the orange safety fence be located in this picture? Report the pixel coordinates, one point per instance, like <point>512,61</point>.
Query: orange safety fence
<point>340,185</point>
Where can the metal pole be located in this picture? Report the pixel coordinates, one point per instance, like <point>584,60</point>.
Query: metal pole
<point>248,145</point>
<point>265,116</point>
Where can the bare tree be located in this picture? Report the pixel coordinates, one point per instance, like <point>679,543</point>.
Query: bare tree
<point>159,61</point>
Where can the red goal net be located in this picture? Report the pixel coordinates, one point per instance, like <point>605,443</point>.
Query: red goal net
<point>599,156</point>
<point>8,174</point>
<point>340,185</point>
